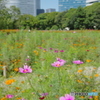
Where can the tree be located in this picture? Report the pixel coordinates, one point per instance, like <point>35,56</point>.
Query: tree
<point>77,20</point>
<point>4,18</point>
<point>89,20</point>
<point>50,19</point>
<point>54,27</point>
<point>92,14</point>
<point>60,19</point>
<point>8,17</point>
<point>42,21</point>
<point>97,18</point>
<point>67,18</point>
<point>2,4</point>
<point>27,21</point>
<point>46,20</point>
<point>15,14</point>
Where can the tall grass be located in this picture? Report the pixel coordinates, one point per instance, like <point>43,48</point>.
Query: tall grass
<point>42,48</point>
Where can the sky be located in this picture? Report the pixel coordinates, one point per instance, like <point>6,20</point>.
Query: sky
<point>45,4</point>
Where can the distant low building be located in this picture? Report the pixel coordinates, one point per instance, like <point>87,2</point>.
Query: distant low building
<point>90,2</point>
<point>39,11</point>
<point>50,10</point>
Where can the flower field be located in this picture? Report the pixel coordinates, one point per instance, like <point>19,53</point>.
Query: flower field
<point>49,65</point>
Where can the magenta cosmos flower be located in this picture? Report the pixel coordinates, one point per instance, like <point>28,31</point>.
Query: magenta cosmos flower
<point>78,62</point>
<point>90,97</point>
<point>61,50</point>
<point>22,99</point>
<point>40,48</point>
<point>61,60</point>
<point>9,96</point>
<point>67,97</point>
<point>57,64</point>
<point>25,69</point>
<point>51,48</point>
<point>56,51</point>
<point>44,94</point>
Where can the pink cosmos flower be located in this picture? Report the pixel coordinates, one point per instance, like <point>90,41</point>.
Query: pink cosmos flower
<point>22,99</point>
<point>51,48</point>
<point>57,64</point>
<point>90,97</point>
<point>44,94</point>
<point>40,47</point>
<point>26,69</point>
<point>78,62</point>
<point>61,50</point>
<point>67,97</point>
<point>27,59</point>
<point>56,51</point>
<point>61,60</point>
<point>9,96</point>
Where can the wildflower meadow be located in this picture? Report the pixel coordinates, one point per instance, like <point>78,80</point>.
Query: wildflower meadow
<point>49,65</point>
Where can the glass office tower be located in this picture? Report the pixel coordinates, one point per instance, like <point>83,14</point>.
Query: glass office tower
<point>50,10</point>
<point>67,4</point>
<point>25,6</point>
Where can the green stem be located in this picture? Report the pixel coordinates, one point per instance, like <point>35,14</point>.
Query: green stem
<point>59,80</point>
<point>32,86</point>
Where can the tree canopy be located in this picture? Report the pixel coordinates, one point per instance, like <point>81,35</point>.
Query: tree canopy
<point>74,18</point>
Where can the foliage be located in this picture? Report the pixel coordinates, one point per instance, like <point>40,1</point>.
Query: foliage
<point>97,18</point>
<point>91,13</point>
<point>8,17</point>
<point>46,20</point>
<point>27,22</point>
<point>54,27</point>
<point>2,4</point>
<point>60,19</point>
<point>79,18</point>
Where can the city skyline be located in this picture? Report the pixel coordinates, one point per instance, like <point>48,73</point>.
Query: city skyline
<point>25,6</point>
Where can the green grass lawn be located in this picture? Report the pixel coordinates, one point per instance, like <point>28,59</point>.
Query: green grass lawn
<point>39,49</point>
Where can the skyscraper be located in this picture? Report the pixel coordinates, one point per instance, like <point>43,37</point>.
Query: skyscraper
<point>50,10</point>
<point>90,2</point>
<point>67,4</point>
<point>25,6</point>
<point>39,11</point>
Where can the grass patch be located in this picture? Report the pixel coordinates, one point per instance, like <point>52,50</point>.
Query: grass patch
<point>39,49</point>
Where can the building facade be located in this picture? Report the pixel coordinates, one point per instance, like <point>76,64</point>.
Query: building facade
<point>39,11</point>
<point>67,4</point>
<point>25,6</point>
<point>90,2</point>
<point>50,10</point>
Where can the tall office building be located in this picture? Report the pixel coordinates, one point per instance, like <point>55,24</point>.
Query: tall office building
<point>25,6</point>
<point>50,10</point>
<point>67,4</point>
<point>39,11</point>
<point>90,2</point>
